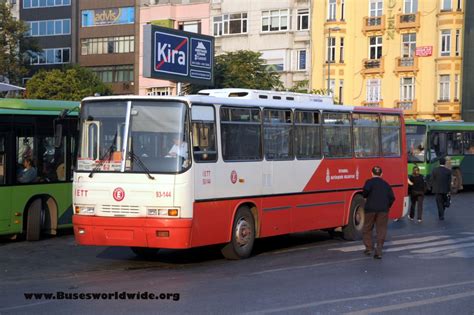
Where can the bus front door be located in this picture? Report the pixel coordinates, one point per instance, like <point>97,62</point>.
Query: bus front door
<point>5,190</point>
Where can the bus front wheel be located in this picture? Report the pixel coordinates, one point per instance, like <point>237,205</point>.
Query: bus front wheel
<point>353,230</point>
<point>243,235</point>
<point>145,252</point>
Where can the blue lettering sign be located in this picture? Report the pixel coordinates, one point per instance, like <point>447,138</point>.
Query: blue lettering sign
<point>201,53</point>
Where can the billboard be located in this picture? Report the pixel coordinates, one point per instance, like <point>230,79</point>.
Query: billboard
<point>110,16</point>
<point>177,55</point>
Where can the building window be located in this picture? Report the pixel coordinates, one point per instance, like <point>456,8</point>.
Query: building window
<point>376,8</point>
<point>456,87</point>
<point>408,45</point>
<point>114,74</point>
<point>49,27</point>
<point>51,56</point>
<point>331,10</point>
<point>374,90</point>
<point>341,91</point>
<point>445,43</point>
<point>458,7</point>
<point>332,86</point>
<point>33,4</point>
<point>108,45</point>
<point>410,6</point>
<point>275,20</point>
<point>446,5</point>
<point>302,59</point>
<point>375,47</point>
<point>407,89</point>
<point>444,87</point>
<point>190,26</point>
<point>341,50</point>
<point>226,24</point>
<point>158,91</point>
<point>331,53</point>
<point>303,20</point>
<point>458,43</point>
<point>343,8</point>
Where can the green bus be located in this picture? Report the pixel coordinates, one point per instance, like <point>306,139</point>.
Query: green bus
<point>428,141</point>
<point>37,143</point>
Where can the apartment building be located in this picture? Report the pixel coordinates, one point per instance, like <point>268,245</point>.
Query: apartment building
<point>391,53</point>
<point>279,29</point>
<point>467,110</point>
<point>185,15</point>
<point>52,24</point>
<point>107,42</point>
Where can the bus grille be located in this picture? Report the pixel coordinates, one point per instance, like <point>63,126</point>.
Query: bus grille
<point>120,209</point>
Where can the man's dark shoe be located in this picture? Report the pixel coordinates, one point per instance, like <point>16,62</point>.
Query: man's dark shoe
<point>367,252</point>
<point>376,256</point>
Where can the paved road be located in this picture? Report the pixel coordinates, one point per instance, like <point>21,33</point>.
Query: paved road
<point>427,269</point>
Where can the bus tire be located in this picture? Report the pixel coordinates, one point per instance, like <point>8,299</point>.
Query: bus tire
<point>243,235</point>
<point>353,230</point>
<point>456,181</point>
<point>145,252</point>
<point>33,221</point>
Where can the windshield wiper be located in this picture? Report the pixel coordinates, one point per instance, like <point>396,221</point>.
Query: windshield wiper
<point>135,158</point>
<point>107,155</point>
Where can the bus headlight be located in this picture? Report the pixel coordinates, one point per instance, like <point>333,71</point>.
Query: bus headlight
<point>84,210</point>
<point>163,212</point>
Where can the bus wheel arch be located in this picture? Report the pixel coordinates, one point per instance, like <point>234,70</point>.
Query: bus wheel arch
<point>243,233</point>
<point>353,230</point>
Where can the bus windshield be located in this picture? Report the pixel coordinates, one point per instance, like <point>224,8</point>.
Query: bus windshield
<point>416,143</point>
<point>134,136</point>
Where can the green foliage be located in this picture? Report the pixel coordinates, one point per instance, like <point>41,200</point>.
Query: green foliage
<point>242,69</point>
<point>14,46</point>
<point>71,84</point>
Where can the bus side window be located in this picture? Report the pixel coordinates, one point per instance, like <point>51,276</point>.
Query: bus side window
<point>437,145</point>
<point>469,143</point>
<point>204,134</point>
<point>454,141</point>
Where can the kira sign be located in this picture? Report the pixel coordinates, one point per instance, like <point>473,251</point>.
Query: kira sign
<point>424,51</point>
<point>178,56</point>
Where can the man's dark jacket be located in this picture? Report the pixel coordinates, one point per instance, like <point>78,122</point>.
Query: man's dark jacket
<point>379,195</point>
<point>441,180</point>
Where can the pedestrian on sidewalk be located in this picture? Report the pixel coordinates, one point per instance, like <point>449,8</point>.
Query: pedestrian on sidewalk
<point>417,193</point>
<point>441,186</point>
<point>379,198</point>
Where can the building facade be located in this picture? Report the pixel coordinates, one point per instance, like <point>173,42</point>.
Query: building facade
<point>53,25</point>
<point>107,42</point>
<point>468,64</point>
<point>186,15</point>
<point>391,53</point>
<point>279,29</point>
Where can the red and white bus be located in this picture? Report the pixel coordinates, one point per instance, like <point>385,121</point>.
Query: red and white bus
<point>227,167</point>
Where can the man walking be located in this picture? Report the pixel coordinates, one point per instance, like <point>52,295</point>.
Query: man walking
<point>441,186</point>
<point>379,198</point>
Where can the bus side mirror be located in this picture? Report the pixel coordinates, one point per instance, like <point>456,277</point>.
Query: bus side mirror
<point>58,135</point>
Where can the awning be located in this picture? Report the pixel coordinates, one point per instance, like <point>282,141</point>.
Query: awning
<point>4,87</point>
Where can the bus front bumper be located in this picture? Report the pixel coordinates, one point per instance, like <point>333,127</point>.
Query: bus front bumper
<point>133,232</point>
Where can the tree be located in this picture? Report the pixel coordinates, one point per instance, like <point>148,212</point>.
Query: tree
<point>72,84</point>
<point>15,47</point>
<point>242,69</point>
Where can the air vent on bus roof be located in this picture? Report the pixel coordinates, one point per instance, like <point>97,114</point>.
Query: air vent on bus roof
<point>263,96</point>
<point>238,94</point>
<point>277,97</point>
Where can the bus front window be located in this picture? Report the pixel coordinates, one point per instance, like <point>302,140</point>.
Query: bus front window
<point>157,139</point>
<point>416,143</point>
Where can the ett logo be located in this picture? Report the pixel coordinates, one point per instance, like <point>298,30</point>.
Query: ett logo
<point>118,194</point>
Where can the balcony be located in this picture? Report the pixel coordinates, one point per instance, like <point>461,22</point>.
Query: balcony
<point>408,107</point>
<point>406,64</point>
<point>446,107</point>
<point>374,24</point>
<point>373,66</point>
<point>407,21</point>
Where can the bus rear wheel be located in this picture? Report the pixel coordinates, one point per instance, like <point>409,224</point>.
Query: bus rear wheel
<point>145,252</point>
<point>35,220</point>
<point>243,235</point>
<point>353,230</point>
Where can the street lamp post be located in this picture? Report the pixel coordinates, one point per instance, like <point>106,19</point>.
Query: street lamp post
<point>335,29</point>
